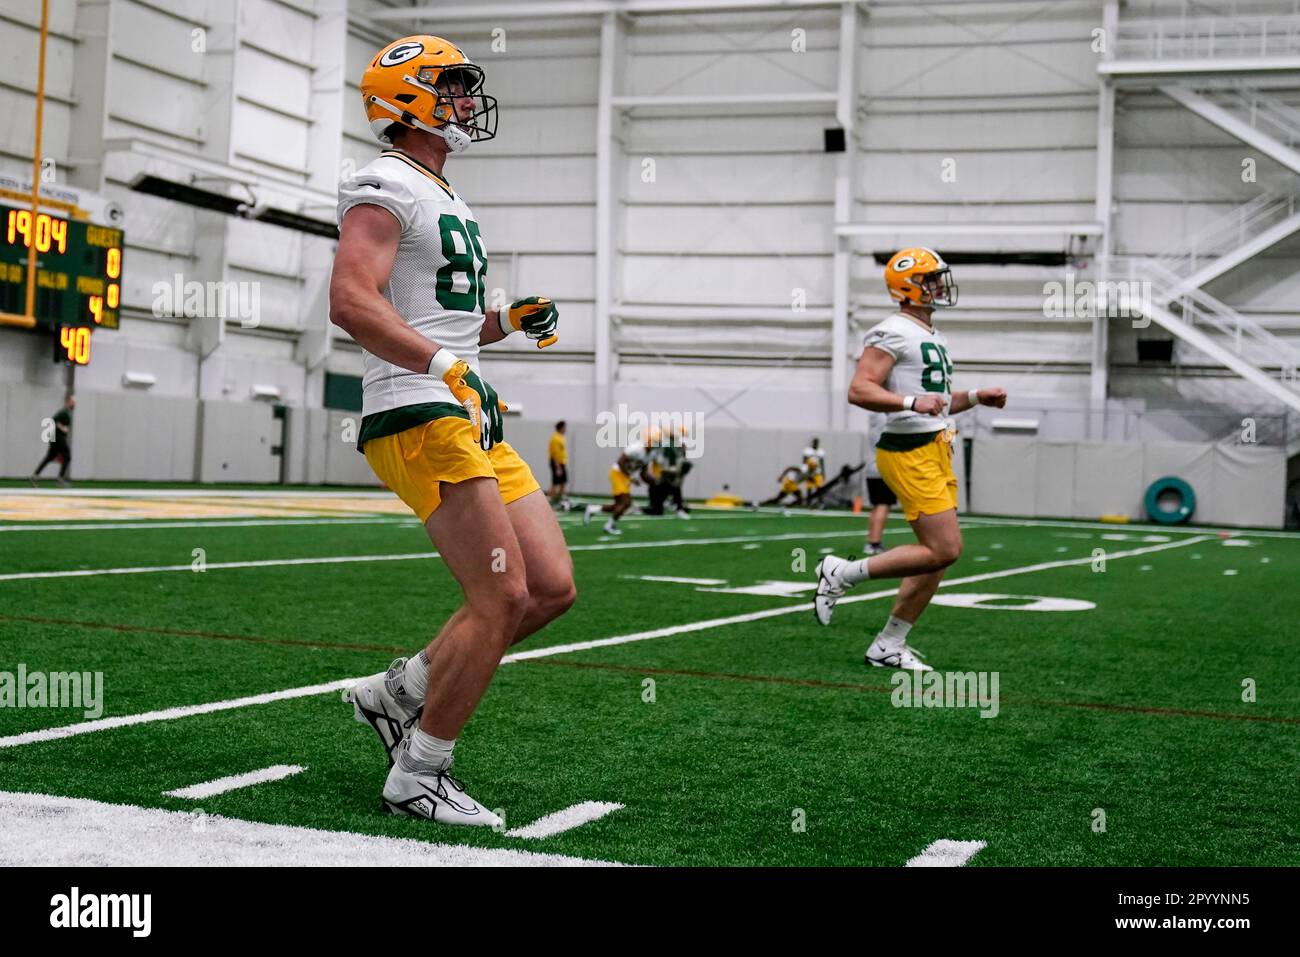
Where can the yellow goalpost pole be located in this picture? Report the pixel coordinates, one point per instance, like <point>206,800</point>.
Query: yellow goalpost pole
<point>30,311</point>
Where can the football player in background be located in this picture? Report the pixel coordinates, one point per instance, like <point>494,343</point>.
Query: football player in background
<point>408,285</point>
<point>814,462</point>
<point>789,478</point>
<point>879,495</point>
<point>60,444</point>
<point>668,469</point>
<point>557,454</point>
<point>905,371</point>
<point>631,468</point>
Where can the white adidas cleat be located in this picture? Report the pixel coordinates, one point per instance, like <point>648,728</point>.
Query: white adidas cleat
<point>612,529</point>
<point>830,587</point>
<point>432,795</point>
<point>381,702</point>
<point>880,655</point>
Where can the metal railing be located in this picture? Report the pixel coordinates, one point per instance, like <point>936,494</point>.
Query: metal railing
<point>1209,36</point>
<point>1229,232</point>
<point>1236,332</point>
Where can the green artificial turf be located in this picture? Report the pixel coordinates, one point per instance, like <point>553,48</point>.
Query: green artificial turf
<point>719,742</point>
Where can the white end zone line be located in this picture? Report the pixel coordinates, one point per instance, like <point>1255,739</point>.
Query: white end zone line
<point>196,792</point>
<point>42,830</point>
<point>170,714</point>
<point>566,820</point>
<point>946,853</point>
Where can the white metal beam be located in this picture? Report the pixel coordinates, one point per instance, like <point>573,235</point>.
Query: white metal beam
<point>1200,66</point>
<point>543,9</point>
<point>1235,257</point>
<point>846,102</point>
<point>611,28</point>
<point>970,229</point>
<point>1231,123</point>
<point>308,197</point>
<point>1099,378</point>
<point>727,99</point>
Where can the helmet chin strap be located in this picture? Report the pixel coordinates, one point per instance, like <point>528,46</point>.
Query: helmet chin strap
<point>457,139</point>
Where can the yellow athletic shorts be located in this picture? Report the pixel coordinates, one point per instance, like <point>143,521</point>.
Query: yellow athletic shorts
<point>619,483</point>
<point>814,483</point>
<point>414,463</point>
<point>922,478</point>
<point>789,487</point>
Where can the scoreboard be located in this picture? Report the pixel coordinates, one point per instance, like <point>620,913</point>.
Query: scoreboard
<point>78,275</point>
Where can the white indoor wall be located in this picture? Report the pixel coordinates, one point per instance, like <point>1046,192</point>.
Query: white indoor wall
<point>737,219</point>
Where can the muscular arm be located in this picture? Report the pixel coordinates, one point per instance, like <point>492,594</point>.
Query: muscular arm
<point>368,238</point>
<point>867,390</point>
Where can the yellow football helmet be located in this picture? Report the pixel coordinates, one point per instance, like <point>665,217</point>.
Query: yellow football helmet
<point>921,277</point>
<point>408,84</point>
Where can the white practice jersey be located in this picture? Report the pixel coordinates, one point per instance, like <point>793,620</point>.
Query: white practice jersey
<point>438,276</point>
<point>921,367</point>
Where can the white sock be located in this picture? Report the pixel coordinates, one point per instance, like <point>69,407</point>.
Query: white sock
<point>415,676</point>
<point>855,572</point>
<point>894,633</point>
<point>425,752</point>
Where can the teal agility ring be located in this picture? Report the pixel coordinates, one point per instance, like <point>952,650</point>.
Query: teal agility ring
<point>1181,511</point>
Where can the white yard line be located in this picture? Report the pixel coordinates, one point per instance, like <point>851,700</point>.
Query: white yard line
<point>276,772</point>
<point>808,606</point>
<point>169,714</point>
<point>947,853</point>
<point>407,557</point>
<point>565,820</point>
<point>674,578</point>
<point>41,830</point>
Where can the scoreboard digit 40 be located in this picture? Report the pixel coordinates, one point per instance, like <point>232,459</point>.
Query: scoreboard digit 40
<point>78,275</point>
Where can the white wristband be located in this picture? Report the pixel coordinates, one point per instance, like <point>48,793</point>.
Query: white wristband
<point>503,320</point>
<point>973,397</point>
<point>908,402</point>
<point>441,363</point>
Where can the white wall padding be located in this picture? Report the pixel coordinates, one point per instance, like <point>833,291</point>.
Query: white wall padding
<point>1234,485</point>
<point>1247,487</point>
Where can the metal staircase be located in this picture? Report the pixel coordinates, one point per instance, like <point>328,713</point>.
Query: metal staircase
<point>1232,239</point>
<point>1226,336</point>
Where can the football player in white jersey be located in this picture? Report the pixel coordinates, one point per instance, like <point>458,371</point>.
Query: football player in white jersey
<point>629,469</point>
<point>905,371</point>
<point>408,285</point>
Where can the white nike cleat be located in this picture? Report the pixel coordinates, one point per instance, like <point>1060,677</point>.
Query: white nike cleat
<point>381,702</point>
<point>880,655</point>
<point>588,512</point>
<point>432,795</point>
<point>830,587</point>
<point>612,529</point>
